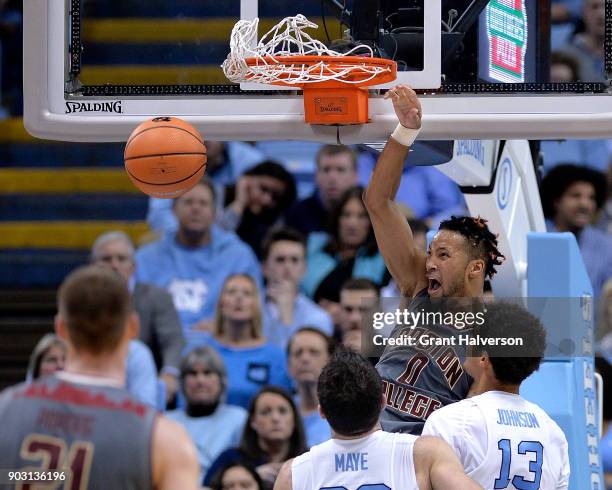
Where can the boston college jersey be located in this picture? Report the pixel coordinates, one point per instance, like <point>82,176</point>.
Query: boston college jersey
<point>504,441</point>
<point>378,461</point>
<point>98,434</point>
<point>423,375</point>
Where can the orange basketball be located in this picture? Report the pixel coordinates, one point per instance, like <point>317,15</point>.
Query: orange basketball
<point>165,157</point>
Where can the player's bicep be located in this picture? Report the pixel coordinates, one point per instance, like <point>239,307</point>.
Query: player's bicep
<point>445,470</point>
<point>283,480</point>
<point>174,457</point>
<point>394,238</point>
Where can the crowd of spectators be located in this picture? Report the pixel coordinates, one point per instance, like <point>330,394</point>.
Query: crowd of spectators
<point>249,285</point>
<point>234,333</point>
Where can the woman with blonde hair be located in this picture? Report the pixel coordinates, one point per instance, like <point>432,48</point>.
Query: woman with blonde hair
<point>251,360</point>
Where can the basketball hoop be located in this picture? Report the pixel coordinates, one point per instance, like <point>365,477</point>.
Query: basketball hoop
<point>334,83</point>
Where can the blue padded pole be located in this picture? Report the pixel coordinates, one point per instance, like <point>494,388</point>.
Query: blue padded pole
<point>560,294</point>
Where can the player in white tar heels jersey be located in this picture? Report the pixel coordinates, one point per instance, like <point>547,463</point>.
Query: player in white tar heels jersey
<point>502,440</point>
<point>360,456</point>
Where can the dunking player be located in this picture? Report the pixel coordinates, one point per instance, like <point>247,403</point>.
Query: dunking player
<point>419,379</point>
<point>360,455</point>
<point>83,421</point>
<point>501,439</point>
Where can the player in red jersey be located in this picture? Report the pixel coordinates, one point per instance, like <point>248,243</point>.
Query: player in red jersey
<point>80,426</point>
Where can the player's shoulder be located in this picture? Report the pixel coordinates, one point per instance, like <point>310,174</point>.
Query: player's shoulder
<point>13,389</point>
<point>456,410</point>
<point>284,480</point>
<point>547,423</point>
<point>24,389</point>
<point>427,448</point>
<point>318,450</point>
<point>174,456</point>
<point>171,439</point>
<point>8,394</point>
<point>301,460</point>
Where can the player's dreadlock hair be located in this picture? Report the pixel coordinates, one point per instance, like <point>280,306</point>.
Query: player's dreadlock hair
<point>482,244</point>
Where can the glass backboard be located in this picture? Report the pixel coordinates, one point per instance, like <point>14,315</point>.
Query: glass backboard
<point>94,69</point>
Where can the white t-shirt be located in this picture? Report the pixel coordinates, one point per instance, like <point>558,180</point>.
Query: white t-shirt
<point>379,461</point>
<point>503,440</point>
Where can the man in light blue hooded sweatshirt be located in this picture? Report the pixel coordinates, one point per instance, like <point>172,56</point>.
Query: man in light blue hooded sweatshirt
<point>193,263</point>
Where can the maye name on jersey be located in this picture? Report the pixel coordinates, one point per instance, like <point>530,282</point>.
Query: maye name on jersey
<point>351,461</point>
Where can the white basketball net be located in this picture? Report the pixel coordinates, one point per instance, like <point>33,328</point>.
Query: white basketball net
<point>288,38</point>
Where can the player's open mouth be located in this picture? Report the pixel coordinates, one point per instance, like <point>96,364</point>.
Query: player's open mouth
<point>434,285</point>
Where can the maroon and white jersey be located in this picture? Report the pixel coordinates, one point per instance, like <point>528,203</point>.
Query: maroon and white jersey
<point>98,434</point>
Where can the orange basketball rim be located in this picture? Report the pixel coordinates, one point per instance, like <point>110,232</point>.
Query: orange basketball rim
<point>335,87</point>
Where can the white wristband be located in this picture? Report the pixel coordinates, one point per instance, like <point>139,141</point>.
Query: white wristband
<point>405,136</point>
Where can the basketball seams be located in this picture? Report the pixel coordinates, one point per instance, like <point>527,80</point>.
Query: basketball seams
<point>133,136</point>
<point>165,154</point>
<point>165,183</point>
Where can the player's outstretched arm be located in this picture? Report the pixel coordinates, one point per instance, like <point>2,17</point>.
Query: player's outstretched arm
<point>175,461</point>
<point>393,235</point>
<point>283,480</point>
<point>438,468</point>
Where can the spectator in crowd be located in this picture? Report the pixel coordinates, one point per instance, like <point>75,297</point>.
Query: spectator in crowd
<point>193,263</point>
<point>273,434</point>
<point>587,46</point>
<point>604,221</point>
<point>286,309</point>
<point>308,351</point>
<point>48,356</point>
<point>348,251</point>
<point>237,476</point>
<point>357,297</point>
<point>141,376</point>
<point>226,161</point>
<point>564,11</point>
<point>160,327</point>
<point>213,425</point>
<point>336,172</point>
<point>258,201</point>
<point>571,196</point>
<point>251,360</point>
<point>565,17</point>
<point>564,67</point>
